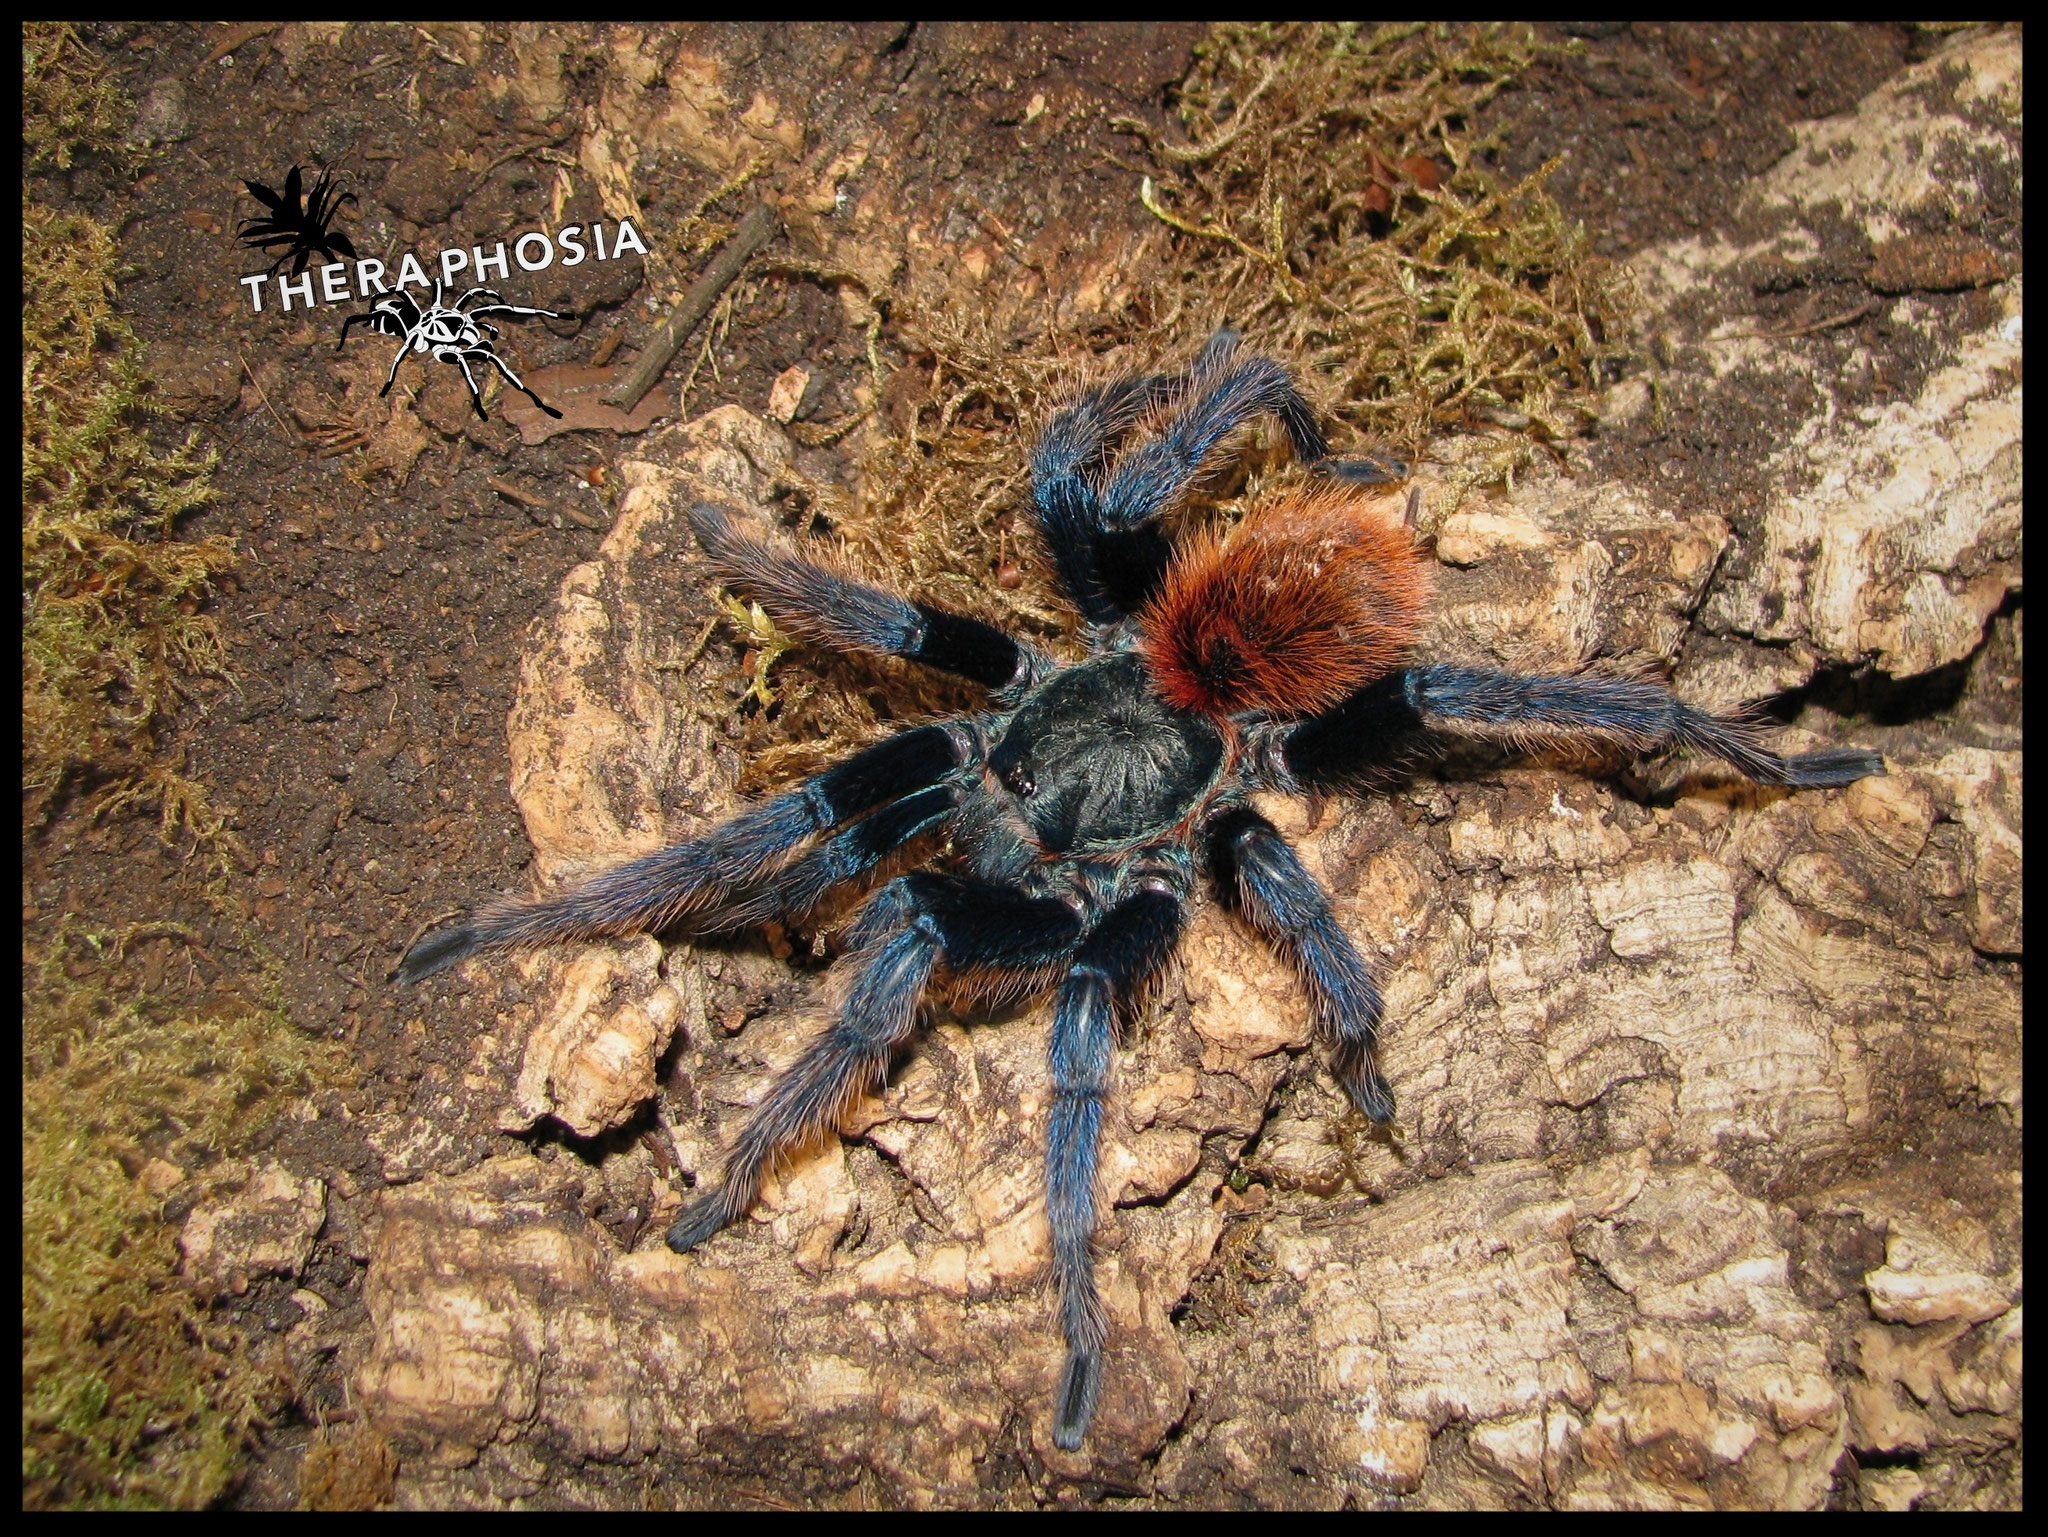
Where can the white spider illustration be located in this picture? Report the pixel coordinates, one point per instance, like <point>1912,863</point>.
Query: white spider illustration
<point>449,333</point>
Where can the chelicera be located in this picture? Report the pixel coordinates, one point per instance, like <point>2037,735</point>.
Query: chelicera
<point>1058,838</point>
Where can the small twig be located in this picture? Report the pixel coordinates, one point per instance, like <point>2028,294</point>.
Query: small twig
<point>383,61</point>
<point>246,32</point>
<point>1846,318</point>
<point>512,493</point>
<point>1150,198</point>
<point>755,231</point>
<point>437,46</point>
<point>421,933</point>
<point>491,169</point>
<point>703,639</point>
<point>282,425</point>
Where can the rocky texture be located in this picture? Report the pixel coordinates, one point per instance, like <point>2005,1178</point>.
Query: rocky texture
<point>265,1226</point>
<point>1890,529</point>
<point>1706,1176</point>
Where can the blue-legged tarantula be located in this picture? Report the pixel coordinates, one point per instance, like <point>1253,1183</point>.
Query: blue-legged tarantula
<point>1072,822</point>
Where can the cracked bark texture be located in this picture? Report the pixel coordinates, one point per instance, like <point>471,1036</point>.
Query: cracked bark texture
<point>1704,1189</point>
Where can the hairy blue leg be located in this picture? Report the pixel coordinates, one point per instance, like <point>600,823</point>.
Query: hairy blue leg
<point>850,1056</point>
<point>651,893</point>
<point>788,895</point>
<point>1643,715</point>
<point>1130,944</point>
<point>1262,878</point>
<point>925,919</point>
<point>1108,574</point>
<point>1153,475</point>
<point>1110,559</point>
<point>822,605</point>
<point>979,923</point>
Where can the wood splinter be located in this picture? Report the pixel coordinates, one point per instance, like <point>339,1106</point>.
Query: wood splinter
<point>755,231</point>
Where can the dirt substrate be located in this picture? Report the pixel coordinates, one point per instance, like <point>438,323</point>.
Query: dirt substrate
<point>1660,1046</point>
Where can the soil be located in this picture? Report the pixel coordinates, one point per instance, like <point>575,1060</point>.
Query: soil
<point>374,623</point>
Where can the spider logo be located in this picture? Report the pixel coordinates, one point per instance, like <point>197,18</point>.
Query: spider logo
<point>1080,812</point>
<point>449,333</point>
<point>301,228</point>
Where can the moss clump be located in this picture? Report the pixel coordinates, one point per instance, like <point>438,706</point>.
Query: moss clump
<point>69,104</point>
<point>1330,200</point>
<point>111,599</point>
<point>130,1394</point>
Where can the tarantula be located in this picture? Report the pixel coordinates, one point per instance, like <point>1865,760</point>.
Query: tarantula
<point>1079,813</point>
<point>301,230</point>
<point>448,333</point>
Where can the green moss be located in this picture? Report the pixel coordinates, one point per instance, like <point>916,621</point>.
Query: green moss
<point>68,102</point>
<point>131,1395</point>
<point>1329,199</point>
<point>111,599</point>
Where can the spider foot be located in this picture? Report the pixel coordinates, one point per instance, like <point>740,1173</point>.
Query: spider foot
<point>1833,767</point>
<point>1079,1383</point>
<point>701,1219</point>
<point>436,953</point>
<point>1372,1095</point>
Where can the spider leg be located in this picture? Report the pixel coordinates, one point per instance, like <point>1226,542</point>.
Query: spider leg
<point>392,377</point>
<point>365,319</point>
<point>1153,475</point>
<point>1111,552</point>
<point>514,309</point>
<point>1122,953</point>
<point>788,895</point>
<point>924,919</point>
<point>653,892</point>
<point>1108,572</point>
<point>824,606</point>
<point>1261,877</point>
<point>1338,748</point>
<point>1643,715</point>
<point>476,397</point>
<point>513,379</point>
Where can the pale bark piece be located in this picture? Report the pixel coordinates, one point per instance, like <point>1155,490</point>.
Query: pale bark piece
<point>590,1062</point>
<point>264,1228</point>
<point>1893,535</point>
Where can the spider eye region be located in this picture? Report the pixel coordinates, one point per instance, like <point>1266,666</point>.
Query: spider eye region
<point>1095,760</point>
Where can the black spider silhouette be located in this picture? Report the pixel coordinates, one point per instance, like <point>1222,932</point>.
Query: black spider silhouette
<point>448,333</point>
<point>1079,814</point>
<point>302,229</point>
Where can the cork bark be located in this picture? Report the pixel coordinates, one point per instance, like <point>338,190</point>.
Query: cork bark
<point>1704,1189</point>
